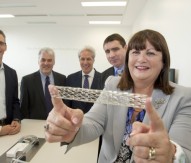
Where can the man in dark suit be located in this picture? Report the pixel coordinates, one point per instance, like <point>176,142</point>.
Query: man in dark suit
<point>115,49</point>
<point>34,104</point>
<point>9,101</point>
<point>77,79</point>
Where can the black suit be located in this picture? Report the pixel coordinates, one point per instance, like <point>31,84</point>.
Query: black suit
<point>11,94</point>
<point>32,95</point>
<point>75,80</point>
<point>104,75</point>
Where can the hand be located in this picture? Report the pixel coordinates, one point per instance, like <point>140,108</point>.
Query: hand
<point>143,137</point>
<point>5,130</point>
<point>16,127</point>
<point>63,122</point>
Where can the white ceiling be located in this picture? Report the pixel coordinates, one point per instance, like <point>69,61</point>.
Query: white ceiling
<point>66,12</point>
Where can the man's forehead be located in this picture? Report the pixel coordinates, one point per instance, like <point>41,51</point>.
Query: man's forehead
<point>112,44</point>
<point>86,57</point>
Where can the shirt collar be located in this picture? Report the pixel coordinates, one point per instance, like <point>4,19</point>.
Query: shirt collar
<point>91,74</point>
<point>2,66</point>
<point>119,68</point>
<point>44,76</point>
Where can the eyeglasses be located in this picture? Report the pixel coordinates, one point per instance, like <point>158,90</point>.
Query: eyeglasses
<point>2,43</point>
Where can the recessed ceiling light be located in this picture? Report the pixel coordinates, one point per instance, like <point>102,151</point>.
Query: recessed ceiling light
<point>41,22</point>
<point>6,16</point>
<point>117,3</point>
<point>13,5</point>
<point>104,22</point>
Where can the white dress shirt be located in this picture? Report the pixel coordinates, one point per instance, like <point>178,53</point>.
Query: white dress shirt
<point>90,78</point>
<point>2,93</point>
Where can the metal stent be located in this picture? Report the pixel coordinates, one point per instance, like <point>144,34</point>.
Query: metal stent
<point>102,96</point>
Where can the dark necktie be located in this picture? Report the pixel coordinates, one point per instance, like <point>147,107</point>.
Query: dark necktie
<point>48,101</point>
<point>86,82</point>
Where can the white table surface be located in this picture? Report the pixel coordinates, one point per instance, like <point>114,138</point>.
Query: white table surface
<point>50,152</point>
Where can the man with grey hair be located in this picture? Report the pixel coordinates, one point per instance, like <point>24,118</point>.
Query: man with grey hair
<point>87,77</point>
<point>35,97</point>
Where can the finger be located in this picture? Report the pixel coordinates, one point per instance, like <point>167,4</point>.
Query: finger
<point>58,104</point>
<point>77,116</point>
<point>55,133</point>
<point>144,140</point>
<point>56,130</point>
<point>64,122</point>
<point>156,123</point>
<point>141,160</point>
<point>54,138</point>
<point>13,131</point>
<point>139,127</point>
<point>141,152</point>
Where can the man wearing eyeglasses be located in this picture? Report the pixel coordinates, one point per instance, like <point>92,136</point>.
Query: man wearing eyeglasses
<point>9,101</point>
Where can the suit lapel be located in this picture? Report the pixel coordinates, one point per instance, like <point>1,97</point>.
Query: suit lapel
<point>112,71</point>
<point>55,78</point>
<point>7,79</point>
<point>119,122</point>
<point>79,79</point>
<point>38,84</point>
<point>96,81</point>
<point>159,101</point>
<point>7,82</point>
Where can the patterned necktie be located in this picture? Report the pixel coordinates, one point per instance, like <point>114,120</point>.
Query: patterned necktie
<point>48,101</point>
<point>125,152</point>
<point>118,72</point>
<point>86,82</point>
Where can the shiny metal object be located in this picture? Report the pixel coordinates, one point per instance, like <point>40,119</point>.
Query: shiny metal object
<point>152,153</point>
<point>46,127</point>
<point>32,141</point>
<point>102,96</point>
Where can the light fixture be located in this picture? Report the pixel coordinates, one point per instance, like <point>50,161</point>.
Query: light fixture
<point>11,5</point>
<point>95,4</point>
<point>6,16</point>
<point>104,22</point>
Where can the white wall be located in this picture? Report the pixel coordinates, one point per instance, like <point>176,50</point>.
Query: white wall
<point>173,19</point>
<point>24,44</point>
<point>170,17</point>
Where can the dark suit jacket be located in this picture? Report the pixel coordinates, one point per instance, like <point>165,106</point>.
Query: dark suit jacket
<point>11,94</point>
<point>32,96</point>
<point>75,80</point>
<point>104,75</point>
